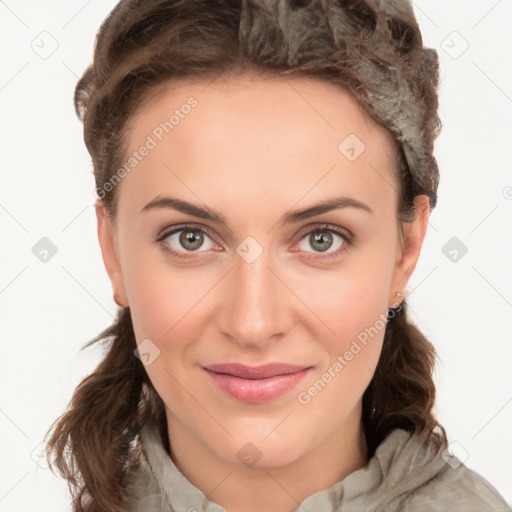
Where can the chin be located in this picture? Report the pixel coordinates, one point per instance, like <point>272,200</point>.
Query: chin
<point>262,455</point>
<point>253,447</point>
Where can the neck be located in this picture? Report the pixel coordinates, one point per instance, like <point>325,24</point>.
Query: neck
<point>274,489</point>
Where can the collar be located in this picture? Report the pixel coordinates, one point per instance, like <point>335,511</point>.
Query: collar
<point>401,462</point>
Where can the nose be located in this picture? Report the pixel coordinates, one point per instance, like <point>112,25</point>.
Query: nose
<point>257,308</point>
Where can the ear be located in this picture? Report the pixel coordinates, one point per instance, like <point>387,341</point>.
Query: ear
<point>409,253</point>
<point>106,237</point>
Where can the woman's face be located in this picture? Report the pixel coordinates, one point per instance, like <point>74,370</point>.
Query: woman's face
<point>245,165</point>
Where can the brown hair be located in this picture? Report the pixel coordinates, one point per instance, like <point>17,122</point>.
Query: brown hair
<point>372,48</point>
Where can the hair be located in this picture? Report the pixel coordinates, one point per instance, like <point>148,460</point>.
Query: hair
<point>371,48</point>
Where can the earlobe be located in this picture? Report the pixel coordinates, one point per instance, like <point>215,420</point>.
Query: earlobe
<point>414,234</point>
<point>106,238</point>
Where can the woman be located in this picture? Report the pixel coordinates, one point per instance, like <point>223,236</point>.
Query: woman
<point>265,176</point>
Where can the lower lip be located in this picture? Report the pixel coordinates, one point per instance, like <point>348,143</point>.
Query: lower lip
<point>257,391</point>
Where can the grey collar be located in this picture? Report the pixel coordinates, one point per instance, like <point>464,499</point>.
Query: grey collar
<point>402,463</point>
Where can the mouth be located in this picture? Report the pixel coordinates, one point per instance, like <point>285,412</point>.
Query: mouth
<point>256,384</point>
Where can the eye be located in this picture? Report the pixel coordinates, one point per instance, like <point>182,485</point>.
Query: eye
<point>186,239</point>
<point>330,240</point>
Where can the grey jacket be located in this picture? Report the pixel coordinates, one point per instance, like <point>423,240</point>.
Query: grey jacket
<point>402,476</point>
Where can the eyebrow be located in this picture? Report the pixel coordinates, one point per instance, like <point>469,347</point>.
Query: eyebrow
<point>291,217</point>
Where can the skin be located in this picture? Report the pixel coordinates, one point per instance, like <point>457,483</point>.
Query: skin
<point>254,149</point>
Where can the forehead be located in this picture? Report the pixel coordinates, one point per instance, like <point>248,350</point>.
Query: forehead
<point>254,96</point>
<point>251,135</point>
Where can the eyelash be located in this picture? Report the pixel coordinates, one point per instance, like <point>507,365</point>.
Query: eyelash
<point>347,239</point>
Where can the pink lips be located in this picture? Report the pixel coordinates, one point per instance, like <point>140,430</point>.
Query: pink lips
<point>256,384</point>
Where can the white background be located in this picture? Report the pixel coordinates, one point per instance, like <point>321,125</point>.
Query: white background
<point>49,310</point>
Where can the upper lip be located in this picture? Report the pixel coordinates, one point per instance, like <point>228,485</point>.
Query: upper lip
<point>256,372</point>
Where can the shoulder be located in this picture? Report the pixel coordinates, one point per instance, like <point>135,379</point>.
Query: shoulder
<point>457,488</point>
<point>418,475</point>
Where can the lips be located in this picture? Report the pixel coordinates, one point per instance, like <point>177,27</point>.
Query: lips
<point>256,384</point>
<point>255,372</point>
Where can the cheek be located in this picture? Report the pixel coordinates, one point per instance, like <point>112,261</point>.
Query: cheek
<point>358,316</point>
<point>353,309</point>
<point>349,304</point>
<point>165,309</point>
<point>161,297</point>
<point>359,327</point>
<point>152,304</point>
